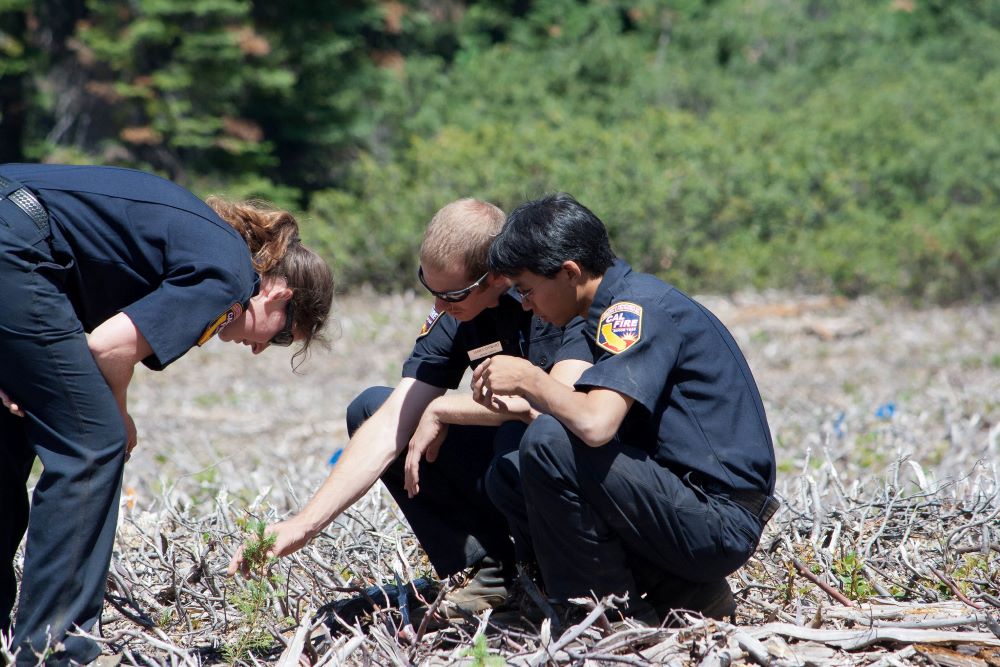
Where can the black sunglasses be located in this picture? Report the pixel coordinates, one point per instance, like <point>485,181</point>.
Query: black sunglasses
<point>285,337</point>
<point>454,296</point>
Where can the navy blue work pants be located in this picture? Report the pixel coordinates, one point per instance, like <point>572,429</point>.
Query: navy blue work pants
<point>503,485</point>
<point>73,426</point>
<point>452,516</point>
<point>611,520</point>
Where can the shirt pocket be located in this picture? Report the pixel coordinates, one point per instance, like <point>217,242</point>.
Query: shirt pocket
<point>55,269</point>
<point>542,350</point>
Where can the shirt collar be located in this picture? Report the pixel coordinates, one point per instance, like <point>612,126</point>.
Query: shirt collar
<point>513,293</point>
<point>608,289</point>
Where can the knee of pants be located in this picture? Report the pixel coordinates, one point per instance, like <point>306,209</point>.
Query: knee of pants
<point>79,454</point>
<point>364,406</point>
<point>502,480</point>
<point>508,437</point>
<point>547,451</point>
<point>112,453</point>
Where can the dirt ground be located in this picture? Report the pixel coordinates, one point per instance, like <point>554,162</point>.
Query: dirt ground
<point>859,383</point>
<point>885,419</point>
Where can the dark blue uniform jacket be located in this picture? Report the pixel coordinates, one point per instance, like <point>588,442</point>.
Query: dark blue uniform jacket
<point>447,347</point>
<point>136,243</point>
<point>697,409</point>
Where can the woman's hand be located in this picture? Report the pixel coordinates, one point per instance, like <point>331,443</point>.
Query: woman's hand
<point>426,442</point>
<point>131,435</point>
<point>14,408</point>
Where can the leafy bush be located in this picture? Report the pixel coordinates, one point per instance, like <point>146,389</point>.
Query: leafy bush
<point>833,194</point>
<point>835,146</point>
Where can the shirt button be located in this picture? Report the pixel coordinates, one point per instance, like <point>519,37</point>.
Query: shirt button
<point>544,360</point>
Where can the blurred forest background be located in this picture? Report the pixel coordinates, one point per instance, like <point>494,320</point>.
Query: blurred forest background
<point>837,146</point>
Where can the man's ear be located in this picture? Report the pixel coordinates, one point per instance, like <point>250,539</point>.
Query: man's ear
<point>499,279</point>
<point>573,271</point>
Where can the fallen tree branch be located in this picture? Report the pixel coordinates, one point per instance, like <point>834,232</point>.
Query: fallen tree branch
<point>855,639</point>
<point>827,588</point>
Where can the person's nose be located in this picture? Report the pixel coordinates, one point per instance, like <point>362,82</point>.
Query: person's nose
<point>441,305</point>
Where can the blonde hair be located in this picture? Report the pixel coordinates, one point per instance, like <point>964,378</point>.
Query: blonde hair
<point>277,251</point>
<point>461,232</point>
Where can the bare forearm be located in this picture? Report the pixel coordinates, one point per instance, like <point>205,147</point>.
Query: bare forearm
<point>594,416</point>
<point>374,446</point>
<point>570,407</point>
<point>365,458</point>
<point>117,372</point>
<point>462,410</point>
<point>117,346</point>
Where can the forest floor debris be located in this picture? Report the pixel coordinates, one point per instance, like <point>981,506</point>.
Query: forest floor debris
<point>886,550</point>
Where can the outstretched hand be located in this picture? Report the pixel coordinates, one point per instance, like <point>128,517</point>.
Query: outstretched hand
<point>289,537</point>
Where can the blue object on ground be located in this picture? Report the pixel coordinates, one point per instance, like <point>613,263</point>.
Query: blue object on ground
<point>838,425</point>
<point>886,410</point>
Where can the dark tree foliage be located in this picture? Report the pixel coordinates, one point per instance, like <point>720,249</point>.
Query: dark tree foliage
<point>823,145</point>
<point>13,90</point>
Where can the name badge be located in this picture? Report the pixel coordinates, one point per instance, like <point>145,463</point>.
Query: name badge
<point>485,351</point>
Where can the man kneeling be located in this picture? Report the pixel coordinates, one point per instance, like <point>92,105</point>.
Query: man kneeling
<point>653,477</point>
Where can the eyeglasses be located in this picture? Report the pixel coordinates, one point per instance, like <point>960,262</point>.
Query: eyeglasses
<point>285,337</point>
<point>453,296</point>
<point>524,293</point>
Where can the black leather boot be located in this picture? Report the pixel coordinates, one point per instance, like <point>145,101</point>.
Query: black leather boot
<point>713,599</point>
<point>487,588</point>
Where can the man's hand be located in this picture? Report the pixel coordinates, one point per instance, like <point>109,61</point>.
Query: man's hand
<point>501,375</point>
<point>289,536</point>
<point>426,442</point>
<point>14,408</point>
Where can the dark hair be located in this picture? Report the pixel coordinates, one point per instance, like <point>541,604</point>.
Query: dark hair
<point>540,235</point>
<point>273,237</point>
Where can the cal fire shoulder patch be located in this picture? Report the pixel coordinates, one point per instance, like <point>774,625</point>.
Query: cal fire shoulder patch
<point>220,323</point>
<point>620,327</point>
<point>429,323</point>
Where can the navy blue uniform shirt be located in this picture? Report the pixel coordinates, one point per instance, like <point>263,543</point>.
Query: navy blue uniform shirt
<point>138,244</point>
<point>447,347</point>
<point>697,408</point>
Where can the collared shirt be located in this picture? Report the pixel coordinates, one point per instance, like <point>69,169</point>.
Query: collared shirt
<point>447,347</point>
<point>135,243</point>
<point>697,408</point>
